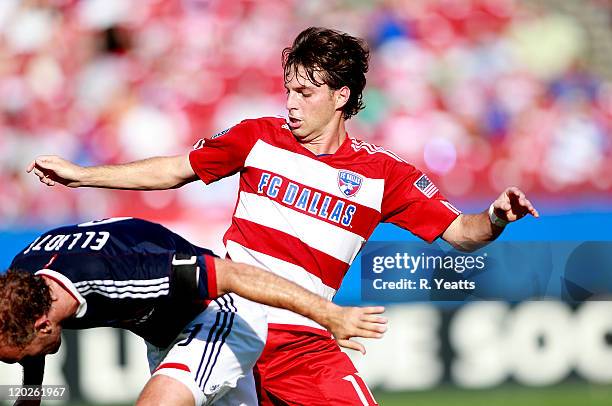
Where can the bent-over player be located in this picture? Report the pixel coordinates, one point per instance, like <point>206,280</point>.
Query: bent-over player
<point>137,275</point>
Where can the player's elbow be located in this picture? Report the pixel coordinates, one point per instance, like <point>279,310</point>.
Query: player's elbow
<point>463,242</point>
<point>180,171</point>
<point>465,246</point>
<point>463,234</point>
<point>171,180</point>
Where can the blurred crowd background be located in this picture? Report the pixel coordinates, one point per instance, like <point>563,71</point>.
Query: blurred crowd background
<point>480,94</point>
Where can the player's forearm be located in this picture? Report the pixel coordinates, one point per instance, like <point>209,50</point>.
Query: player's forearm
<point>148,174</point>
<point>265,287</point>
<point>474,231</point>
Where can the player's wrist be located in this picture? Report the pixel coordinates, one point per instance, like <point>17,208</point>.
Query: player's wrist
<point>98,176</point>
<point>332,316</point>
<point>82,176</point>
<point>498,221</point>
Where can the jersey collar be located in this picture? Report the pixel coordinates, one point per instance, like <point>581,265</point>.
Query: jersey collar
<point>346,145</point>
<point>68,287</point>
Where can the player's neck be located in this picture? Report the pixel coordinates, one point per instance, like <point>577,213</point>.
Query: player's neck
<point>329,140</point>
<point>63,305</point>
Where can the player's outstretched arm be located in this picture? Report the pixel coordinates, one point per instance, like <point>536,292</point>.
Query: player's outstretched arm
<point>33,371</point>
<point>264,287</point>
<point>148,174</point>
<point>472,231</point>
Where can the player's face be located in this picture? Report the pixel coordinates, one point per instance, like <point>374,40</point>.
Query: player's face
<point>311,108</point>
<point>42,344</point>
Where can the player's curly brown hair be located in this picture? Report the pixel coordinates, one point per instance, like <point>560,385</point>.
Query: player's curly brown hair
<point>340,59</point>
<point>24,297</point>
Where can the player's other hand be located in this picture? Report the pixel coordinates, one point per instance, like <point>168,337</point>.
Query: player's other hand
<point>512,205</point>
<point>357,322</point>
<point>52,169</point>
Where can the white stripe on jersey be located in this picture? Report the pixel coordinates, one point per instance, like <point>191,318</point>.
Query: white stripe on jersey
<point>312,173</point>
<point>124,288</point>
<point>132,282</point>
<point>130,295</point>
<point>294,273</point>
<point>332,240</point>
<point>136,288</point>
<point>373,149</point>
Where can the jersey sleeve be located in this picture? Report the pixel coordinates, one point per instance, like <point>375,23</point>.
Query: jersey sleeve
<point>413,202</point>
<point>194,280</point>
<point>225,153</point>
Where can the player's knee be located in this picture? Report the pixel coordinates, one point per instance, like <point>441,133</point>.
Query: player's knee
<point>163,390</point>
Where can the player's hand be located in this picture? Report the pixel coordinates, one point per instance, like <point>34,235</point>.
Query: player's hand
<point>52,169</point>
<point>357,322</point>
<point>512,205</point>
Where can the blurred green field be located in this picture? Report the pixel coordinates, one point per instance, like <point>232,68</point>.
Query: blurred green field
<point>572,394</point>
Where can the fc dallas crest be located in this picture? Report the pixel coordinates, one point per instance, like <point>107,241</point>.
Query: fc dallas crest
<point>349,183</point>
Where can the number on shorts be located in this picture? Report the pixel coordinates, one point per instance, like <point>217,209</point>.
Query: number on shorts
<point>193,331</point>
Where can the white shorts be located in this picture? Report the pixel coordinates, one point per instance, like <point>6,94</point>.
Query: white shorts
<point>215,353</point>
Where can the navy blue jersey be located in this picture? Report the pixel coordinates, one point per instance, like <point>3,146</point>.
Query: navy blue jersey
<point>125,273</point>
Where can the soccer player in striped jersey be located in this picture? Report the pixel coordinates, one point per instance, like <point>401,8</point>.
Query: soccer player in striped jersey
<point>133,274</point>
<point>310,197</point>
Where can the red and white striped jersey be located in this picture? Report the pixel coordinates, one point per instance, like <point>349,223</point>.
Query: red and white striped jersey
<point>305,217</point>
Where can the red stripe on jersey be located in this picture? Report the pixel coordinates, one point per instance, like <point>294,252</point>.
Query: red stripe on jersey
<point>293,250</point>
<point>52,260</point>
<point>211,276</point>
<point>363,220</point>
<point>174,365</point>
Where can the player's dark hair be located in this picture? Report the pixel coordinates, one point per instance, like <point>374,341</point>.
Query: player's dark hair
<point>340,59</point>
<point>24,297</point>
